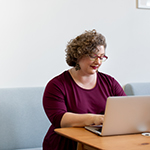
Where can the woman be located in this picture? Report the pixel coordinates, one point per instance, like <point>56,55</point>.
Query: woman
<point>77,97</point>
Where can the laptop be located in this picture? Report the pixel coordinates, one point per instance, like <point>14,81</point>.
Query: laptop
<point>124,115</point>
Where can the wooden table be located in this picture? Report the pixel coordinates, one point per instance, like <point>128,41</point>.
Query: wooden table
<point>90,141</point>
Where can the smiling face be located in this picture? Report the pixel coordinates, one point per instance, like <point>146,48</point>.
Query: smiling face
<point>89,66</point>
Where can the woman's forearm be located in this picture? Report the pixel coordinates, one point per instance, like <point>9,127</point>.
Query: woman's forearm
<point>79,120</point>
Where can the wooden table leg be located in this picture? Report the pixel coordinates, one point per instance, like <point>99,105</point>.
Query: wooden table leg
<point>81,146</point>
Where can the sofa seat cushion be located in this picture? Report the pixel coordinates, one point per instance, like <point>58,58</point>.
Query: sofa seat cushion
<point>31,149</point>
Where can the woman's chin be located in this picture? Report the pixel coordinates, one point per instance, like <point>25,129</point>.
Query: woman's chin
<point>93,71</point>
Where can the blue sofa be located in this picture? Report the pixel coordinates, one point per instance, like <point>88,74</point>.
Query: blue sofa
<point>23,123</point>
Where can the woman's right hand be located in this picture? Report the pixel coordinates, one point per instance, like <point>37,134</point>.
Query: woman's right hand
<point>98,119</point>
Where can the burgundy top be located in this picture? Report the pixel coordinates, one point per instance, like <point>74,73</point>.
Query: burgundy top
<point>63,95</point>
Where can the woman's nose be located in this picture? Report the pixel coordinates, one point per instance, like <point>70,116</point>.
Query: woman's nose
<point>98,61</point>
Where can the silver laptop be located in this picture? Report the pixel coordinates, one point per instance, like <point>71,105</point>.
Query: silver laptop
<point>124,115</point>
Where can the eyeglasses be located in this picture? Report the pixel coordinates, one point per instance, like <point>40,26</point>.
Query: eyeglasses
<point>93,57</point>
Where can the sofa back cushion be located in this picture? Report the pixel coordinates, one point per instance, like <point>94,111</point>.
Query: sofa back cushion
<point>23,123</point>
<point>137,89</point>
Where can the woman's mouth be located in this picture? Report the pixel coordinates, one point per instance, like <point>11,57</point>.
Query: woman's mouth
<point>94,67</point>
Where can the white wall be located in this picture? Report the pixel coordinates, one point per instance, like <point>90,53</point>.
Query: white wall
<point>34,34</point>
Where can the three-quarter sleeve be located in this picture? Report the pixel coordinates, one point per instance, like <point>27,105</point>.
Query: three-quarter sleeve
<point>54,102</point>
<point>117,89</point>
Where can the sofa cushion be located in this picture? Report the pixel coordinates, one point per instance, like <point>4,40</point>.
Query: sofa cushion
<point>137,89</point>
<point>30,149</point>
<point>23,123</point>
